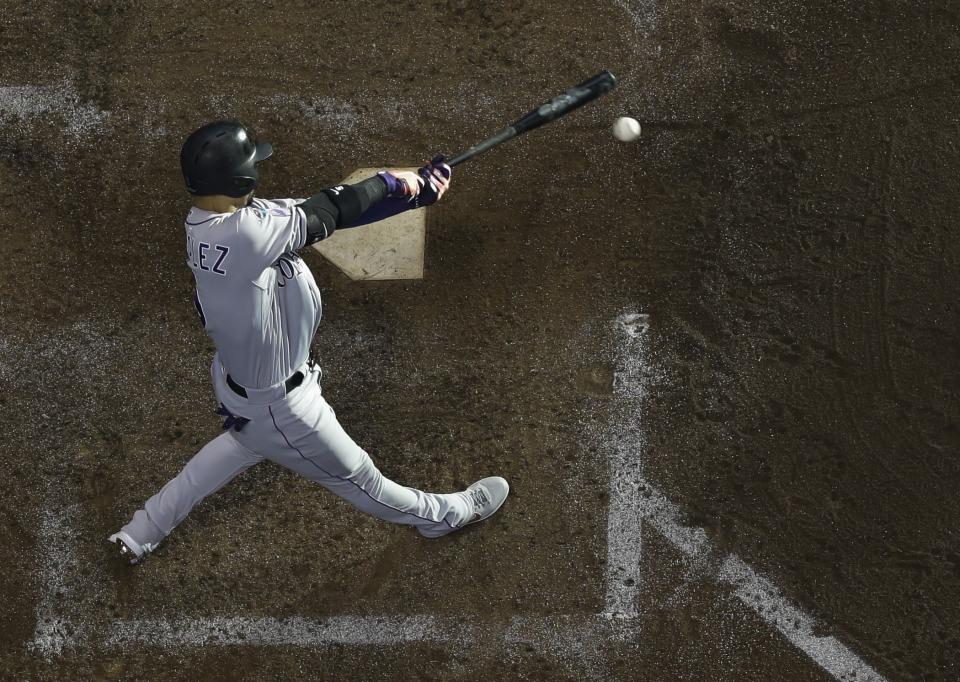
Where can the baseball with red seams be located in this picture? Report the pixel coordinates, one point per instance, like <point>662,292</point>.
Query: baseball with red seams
<point>626,129</point>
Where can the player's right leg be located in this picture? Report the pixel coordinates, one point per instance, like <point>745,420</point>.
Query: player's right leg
<point>217,463</point>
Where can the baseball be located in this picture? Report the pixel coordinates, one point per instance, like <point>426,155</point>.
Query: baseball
<point>626,129</point>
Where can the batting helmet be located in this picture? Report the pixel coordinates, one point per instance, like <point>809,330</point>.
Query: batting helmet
<point>221,158</point>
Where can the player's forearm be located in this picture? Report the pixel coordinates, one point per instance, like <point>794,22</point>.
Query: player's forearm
<point>387,208</point>
<point>341,206</point>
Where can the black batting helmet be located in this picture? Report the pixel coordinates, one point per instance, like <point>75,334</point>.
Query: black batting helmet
<point>221,158</point>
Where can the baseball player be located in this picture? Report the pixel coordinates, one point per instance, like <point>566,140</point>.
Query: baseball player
<point>261,307</point>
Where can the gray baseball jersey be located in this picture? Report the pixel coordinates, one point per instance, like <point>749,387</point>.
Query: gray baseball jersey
<point>261,306</point>
<point>257,299</point>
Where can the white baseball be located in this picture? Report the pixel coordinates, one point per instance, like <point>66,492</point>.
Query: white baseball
<point>626,129</point>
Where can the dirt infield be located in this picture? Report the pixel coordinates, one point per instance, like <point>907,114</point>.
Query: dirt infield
<point>719,366</point>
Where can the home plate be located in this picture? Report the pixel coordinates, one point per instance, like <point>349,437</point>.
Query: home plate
<point>388,249</point>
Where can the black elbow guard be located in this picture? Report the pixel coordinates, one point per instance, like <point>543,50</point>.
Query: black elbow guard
<point>348,201</point>
<point>341,205</point>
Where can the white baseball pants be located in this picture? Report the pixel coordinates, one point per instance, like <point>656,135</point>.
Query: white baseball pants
<point>299,431</point>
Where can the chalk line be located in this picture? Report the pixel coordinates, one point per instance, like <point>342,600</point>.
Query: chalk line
<point>569,636</point>
<point>763,597</point>
<point>633,500</point>
<point>82,353</point>
<point>623,442</point>
<point>23,102</point>
<point>294,631</point>
<point>754,591</point>
<point>54,633</point>
<point>563,636</point>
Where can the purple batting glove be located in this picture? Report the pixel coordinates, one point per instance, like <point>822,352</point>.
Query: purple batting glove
<point>396,188</point>
<point>436,180</point>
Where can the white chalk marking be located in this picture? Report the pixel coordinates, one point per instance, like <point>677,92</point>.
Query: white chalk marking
<point>623,442</point>
<point>82,354</point>
<point>27,101</point>
<point>295,631</point>
<point>643,13</point>
<point>567,636</point>
<point>53,633</point>
<point>762,596</point>
<point>755,591</point>
<point>664,516</point>
<point>336,116</point>
<point>632,500</point>
<point>564,636</point>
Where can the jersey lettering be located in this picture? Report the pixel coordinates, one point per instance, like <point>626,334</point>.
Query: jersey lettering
<point>224,250</point>
<point>199,255</point>
<point>191,251</point>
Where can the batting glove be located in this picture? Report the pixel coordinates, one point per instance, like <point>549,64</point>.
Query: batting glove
<point>436,181</point>
<point>400,183</point>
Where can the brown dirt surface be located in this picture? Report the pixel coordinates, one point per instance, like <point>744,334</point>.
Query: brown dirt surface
<point>785,221</point>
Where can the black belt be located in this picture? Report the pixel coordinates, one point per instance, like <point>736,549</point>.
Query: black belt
<point>295,380</point>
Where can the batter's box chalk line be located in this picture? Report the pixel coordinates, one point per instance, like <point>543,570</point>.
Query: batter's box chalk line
<point>634,503</point>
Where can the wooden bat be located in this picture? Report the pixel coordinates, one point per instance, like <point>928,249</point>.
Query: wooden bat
<point>559,106</point>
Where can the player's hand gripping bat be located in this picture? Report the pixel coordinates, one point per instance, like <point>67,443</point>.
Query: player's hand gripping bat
<point>559,106</point>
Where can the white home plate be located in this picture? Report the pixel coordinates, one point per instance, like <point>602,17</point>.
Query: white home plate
<point>389,249</point>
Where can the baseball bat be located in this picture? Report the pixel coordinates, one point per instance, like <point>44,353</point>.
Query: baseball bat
<point>559,106</point>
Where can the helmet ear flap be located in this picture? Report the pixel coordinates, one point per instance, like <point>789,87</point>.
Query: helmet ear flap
<point>243,185</point>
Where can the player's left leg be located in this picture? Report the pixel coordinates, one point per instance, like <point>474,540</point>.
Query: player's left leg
<point>217,463</point>
<point>331,458</point>
<point>303,434</point>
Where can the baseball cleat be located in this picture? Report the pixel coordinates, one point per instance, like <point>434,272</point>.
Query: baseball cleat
<point>486,496</point>
<point>128,549</point>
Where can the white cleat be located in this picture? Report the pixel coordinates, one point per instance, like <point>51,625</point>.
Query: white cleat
<point>486,496</point>
<point>129,549</point>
